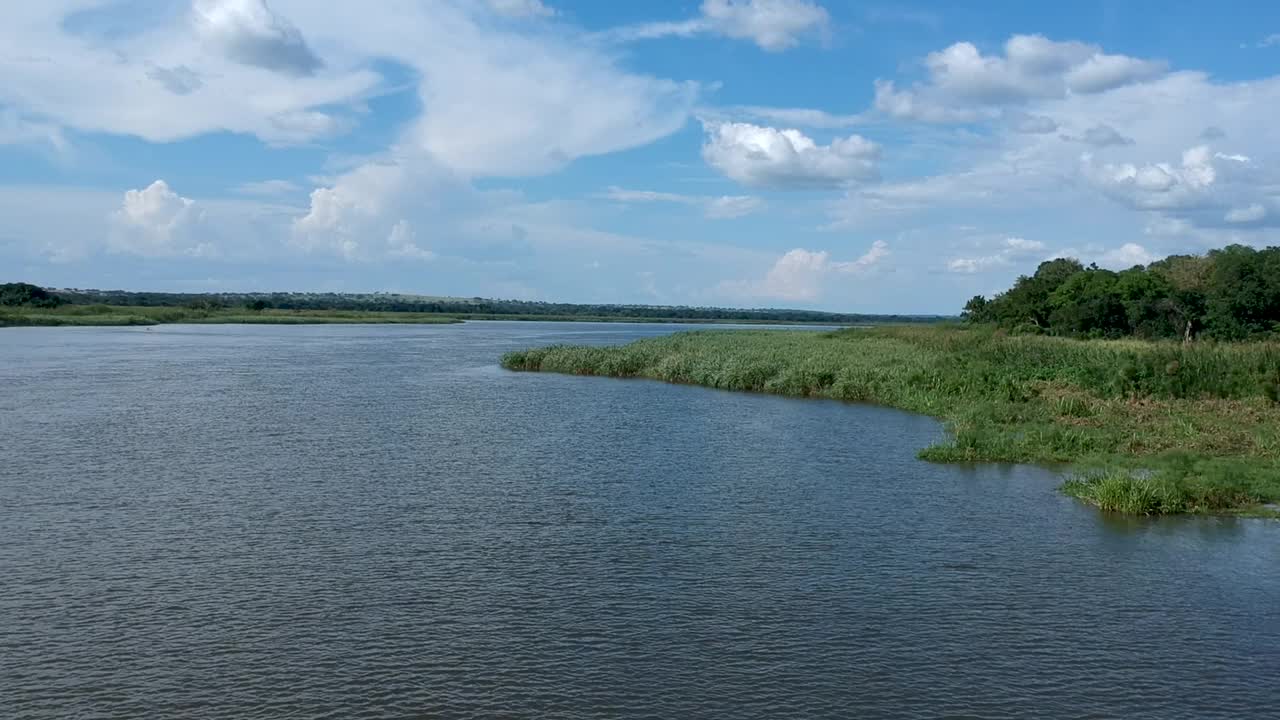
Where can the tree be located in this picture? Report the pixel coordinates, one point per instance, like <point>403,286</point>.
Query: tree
<point>977,310</point>
<point>1027,302</point>
<point>1088,303</point>
<point>1242,293</point>
<point>1188,277</point>
<point>14,294</point>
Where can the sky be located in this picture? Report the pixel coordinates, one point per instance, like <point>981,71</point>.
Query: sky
<point>849,156</point>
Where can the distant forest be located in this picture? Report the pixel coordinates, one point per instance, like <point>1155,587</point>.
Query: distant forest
<point>26,294</point>
<point>1228,294</point>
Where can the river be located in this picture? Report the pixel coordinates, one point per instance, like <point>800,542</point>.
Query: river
<point>377,521</point>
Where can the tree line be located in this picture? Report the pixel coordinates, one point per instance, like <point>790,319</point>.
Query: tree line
<point>27,295</point>
<point>1228,294</point>
<point>473,307</point>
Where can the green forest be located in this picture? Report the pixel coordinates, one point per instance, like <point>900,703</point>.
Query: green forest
<point>1229,294</point>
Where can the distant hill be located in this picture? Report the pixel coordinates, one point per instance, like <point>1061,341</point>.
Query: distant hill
<point>470,307</point>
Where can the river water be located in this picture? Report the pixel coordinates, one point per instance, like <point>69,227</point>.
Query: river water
<point>377,521</point>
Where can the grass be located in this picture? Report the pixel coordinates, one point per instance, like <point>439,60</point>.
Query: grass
<point>1156,427</point>
<point>109,315</point>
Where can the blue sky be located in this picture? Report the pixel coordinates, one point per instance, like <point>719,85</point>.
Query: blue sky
<point>879,157</point>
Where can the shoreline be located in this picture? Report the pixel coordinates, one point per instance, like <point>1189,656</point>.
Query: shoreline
<point>126,316</point>
<point>1158,447</point>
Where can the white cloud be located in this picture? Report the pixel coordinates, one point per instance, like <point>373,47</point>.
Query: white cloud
<point>1271,40</point>
<point>713,207</point>
<point>1126,256</point>
<point>515,105</point>
<point>366,203</point>
<point>402,243</point>
<point>1247,214</point>
<point>768,157</point>
<point>248,32</point>
<point>1160,186</point>
<point>520,8</point>
<point>799,275</point>
<point>773,25</point>
<point>1011,250</point>
<point>964,85</point>
<point>1007,173</point>
<point>497,99</point>
<point>157,222</point>
<point>183,75</point>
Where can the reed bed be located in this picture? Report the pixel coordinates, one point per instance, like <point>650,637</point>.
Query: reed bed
<point>1200,420</point>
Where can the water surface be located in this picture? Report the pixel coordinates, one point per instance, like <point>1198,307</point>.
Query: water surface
<point>377,521</point>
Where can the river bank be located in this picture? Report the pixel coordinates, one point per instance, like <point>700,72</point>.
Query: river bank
<point>120,315</point>
<point>110,315</point>
<point>1151,428</point>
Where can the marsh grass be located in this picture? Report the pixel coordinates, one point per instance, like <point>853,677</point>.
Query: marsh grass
<point>1201,414</point>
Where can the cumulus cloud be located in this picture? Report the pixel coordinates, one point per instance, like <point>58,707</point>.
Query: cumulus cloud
<point>964,85</point>
<point>520,8</point>
<point>714,207</point>
<point>402,242</point>
<point>773,25</point>
<point>1126,256</point>
<point>250,33</point>
<point>1163,186</point>
<point>359,206</point>
<point>799,275</point>
<point>157,222</point>
<point>1011,250</point>
<point>788,159</point>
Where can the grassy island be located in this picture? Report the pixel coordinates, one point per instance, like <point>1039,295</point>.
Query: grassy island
<point>1150,427</point>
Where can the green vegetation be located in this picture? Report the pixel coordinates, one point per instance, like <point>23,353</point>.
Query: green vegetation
<point>24,304</point>
<point>1153,426</point>
<point>1229,294</point>
<point>26,295</point>
<point>104,315</point>
<point>475,308</point>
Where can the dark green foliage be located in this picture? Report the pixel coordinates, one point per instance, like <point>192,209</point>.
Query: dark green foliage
<point>1229,294</point>
<point>477,308</point>
<point>24,294</point>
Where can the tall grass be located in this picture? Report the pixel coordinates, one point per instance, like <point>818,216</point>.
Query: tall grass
<point>1005,398</point>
